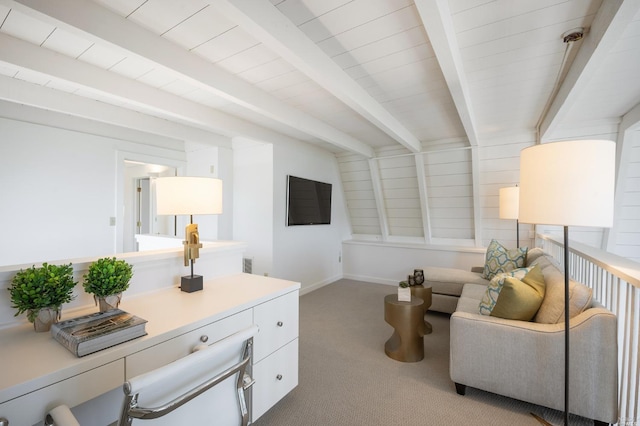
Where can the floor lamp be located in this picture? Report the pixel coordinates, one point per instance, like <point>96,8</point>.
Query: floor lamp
<point>509,203</point>
<point>568,184</point>
<point>189,196</point>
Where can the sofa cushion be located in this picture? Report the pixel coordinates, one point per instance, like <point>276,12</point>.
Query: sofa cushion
<point>520,299</point>
<point>450,281</point>
<point>493,290</point>
<point>533,254</point>
<point>499,259</point>
<point>470,297</point>
<point>552,309</point>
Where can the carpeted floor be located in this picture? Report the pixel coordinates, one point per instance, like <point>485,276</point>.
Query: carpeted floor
<point>345,378</point>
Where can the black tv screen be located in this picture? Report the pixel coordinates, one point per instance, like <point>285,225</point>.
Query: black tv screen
<point>308,202</point>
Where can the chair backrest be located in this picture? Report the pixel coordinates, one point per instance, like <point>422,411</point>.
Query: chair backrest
<point>205,387</point>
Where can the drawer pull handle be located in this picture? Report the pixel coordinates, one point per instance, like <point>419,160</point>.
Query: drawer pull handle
<point>280,324</point>
<point>204,338</point>
<point>279,377</point>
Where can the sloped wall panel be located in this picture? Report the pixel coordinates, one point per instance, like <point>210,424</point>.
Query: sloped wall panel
<point>358,192</point>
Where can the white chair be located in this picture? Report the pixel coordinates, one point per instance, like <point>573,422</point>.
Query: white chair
<point>212,380</point>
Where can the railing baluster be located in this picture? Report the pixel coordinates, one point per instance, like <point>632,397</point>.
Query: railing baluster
<point>615,282</point>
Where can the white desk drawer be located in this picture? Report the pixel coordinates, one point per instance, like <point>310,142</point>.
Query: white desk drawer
<point>181,346</point>
<point>33,407</point>
<point>275,377</point>
<point>278,322</point>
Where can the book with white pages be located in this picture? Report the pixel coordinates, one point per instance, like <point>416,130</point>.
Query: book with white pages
<point>91,333</point>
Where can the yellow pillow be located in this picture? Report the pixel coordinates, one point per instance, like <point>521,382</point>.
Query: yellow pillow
<point>520,299</point>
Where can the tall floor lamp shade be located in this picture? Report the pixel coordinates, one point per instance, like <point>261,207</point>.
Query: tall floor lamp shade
<point>189,196</point>
<point>509,206</point>
<point>568,184</point>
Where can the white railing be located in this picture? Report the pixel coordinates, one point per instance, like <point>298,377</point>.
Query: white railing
<point>616,284</point>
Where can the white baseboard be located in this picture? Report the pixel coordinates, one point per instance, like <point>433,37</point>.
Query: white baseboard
<point>312,287</point>
<point>375,280</point>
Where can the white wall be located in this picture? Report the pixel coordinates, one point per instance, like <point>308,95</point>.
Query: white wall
<point>499,167</point>
<point>309,254</point>
<point>58,192</point>
<point>203,161</point>
<point>386,263</point>
<point>253,202</point>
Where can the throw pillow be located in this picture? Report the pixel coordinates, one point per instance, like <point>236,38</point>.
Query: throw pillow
<point>552,309</point>
<point>520,299</point>
<point>494,288</point>
<point>498,259</point>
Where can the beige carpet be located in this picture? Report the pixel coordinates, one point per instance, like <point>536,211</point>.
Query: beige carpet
<point>345,378</point>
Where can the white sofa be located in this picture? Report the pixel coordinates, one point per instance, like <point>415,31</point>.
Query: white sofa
<point>525,359</point>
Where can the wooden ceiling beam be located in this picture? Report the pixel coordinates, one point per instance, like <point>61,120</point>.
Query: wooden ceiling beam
<point>436,19</point>
<point>268,25</point>
<point>104,26</point>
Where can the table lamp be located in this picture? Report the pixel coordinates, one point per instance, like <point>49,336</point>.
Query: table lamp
<point>568,184</point>
<point>509,200</point>
<point>189,196</point>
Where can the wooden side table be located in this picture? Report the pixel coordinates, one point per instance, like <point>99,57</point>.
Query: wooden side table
<point>423,293</point>
<point>407,318</point>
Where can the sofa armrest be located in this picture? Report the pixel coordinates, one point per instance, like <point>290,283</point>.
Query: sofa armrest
<point>525,360</point>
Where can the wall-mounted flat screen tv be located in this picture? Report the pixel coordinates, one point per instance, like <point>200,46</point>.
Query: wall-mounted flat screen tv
<point>308,202</point>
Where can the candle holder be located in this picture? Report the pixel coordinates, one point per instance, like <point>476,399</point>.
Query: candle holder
<point>418,275</point>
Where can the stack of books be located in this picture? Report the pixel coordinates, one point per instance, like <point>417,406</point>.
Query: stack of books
<point>91,333</point>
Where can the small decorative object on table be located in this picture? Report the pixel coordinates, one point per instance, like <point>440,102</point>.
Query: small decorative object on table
<point>41,292</point>
<point>91,333</point>
<point>418,275</point>
<point>411,280</point>
<point>404,292</point>
<point>106,279</point>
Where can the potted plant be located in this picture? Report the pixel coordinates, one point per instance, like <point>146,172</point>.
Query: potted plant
<point>106,279</point>
<point>40,292</point>
<point>404,291</point>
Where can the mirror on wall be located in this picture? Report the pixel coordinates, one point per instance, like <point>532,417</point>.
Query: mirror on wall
<point>140,216</point>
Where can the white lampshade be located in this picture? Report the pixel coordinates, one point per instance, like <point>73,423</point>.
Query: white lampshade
<point>509,202</point>
<point>568,183</point>
<point>188,195</point>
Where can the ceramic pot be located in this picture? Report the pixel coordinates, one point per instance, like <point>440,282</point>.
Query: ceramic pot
<point>109,302</point>
<point>45,318</point>
<point>404,294</point>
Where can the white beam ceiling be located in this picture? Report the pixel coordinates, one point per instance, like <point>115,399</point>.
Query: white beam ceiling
<point>612,19</point>
<point>121,89</point>
<point>104,26</point>
<point>266,24</point>
<point>25,93</point>
<point>436,18</point>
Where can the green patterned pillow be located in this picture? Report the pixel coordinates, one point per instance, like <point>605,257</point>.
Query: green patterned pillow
<point>499,259</point>
<point>490,298</point>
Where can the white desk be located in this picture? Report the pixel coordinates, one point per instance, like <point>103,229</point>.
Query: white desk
<point>37,373</point>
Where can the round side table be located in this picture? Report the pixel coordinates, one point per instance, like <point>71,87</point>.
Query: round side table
<point>407,318</point>
<point>423,293</point>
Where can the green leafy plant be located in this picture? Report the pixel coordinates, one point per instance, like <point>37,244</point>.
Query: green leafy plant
<point>404,284</point>
<point>48,286</point>
<point>107,276</point>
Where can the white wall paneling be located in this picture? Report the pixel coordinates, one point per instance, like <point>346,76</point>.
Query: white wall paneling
<point>359,196</point>
<point>450,187</point>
